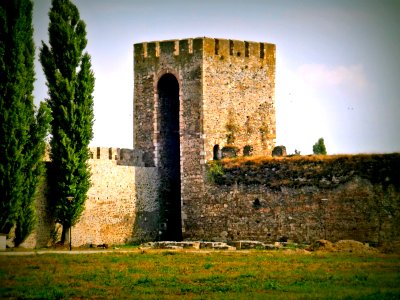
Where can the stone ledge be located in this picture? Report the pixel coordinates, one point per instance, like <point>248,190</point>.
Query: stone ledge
<point>256,245</point>
<point>187,245</point>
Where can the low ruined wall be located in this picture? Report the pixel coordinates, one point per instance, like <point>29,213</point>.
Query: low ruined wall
<point>301,199</point>
<point>119,193</point>
<point>269,199</point>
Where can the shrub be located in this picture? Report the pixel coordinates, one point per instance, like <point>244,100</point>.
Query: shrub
<point>319,147</point>
<point>215,172</point>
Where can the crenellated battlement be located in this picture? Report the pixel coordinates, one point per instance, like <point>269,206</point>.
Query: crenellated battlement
<point>175,47</point>
<point>104,153</point>
<point>244,49</point>
<point>127,157</point>
<point>204,45</point>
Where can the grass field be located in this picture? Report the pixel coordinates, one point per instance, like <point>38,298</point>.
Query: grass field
<point>158,274</point>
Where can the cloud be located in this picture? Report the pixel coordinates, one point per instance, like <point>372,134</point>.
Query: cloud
<point>322,75</point>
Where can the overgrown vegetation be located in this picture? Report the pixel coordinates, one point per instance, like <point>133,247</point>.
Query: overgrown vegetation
<point>202,275</point>
<point>215,172</point>
<point>22,127</point>
<point>70,82</point>
<point>317,170</point>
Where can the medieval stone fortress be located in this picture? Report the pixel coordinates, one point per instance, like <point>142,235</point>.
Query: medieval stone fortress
<point>197,101</point>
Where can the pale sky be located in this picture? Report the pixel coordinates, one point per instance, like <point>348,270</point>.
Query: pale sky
<point>338,63</point>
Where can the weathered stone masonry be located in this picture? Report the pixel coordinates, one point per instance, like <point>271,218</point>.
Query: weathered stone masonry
<point>226,98</point>
<point>219,93</point>
<point>119,195</point>
<point>350,197</point>
<point>192,99</point>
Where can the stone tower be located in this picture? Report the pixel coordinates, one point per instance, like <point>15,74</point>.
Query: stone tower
<point>195,99</point>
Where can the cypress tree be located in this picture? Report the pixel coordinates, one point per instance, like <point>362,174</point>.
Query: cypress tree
<point>34,168</point>
<point>70,83</point>
<point>17,117</point>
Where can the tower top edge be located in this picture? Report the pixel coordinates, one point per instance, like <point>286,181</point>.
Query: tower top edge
<point>199,38</point>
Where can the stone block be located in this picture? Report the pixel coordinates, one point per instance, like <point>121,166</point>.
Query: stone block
<point>279,151</point>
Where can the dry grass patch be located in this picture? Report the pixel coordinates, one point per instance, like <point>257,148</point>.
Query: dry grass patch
<point>325,171</point>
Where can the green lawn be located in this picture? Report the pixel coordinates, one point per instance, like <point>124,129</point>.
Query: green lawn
<point>201,275</point>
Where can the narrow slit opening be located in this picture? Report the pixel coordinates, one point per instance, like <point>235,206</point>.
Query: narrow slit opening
<point>216,47</point>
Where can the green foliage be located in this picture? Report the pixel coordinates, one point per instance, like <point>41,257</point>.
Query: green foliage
<point>272,285</point>
<point>22,133</point>
<point>319,147</point>
<point>207,266</point>
<point>205,275</point>
<point>215,172</point>
<point>70,82</point>
<point>34,170</point>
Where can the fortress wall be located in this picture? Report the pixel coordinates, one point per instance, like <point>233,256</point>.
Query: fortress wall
<point>357,198</point>
<point>119,193</point>
<point>239,92</point>
<point>147,212</point>
<point>355,210</point>
<point>304,199</point>
<point>109,212</point>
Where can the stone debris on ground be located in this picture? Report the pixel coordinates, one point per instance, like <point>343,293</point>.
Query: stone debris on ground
<point>319,245</point>
<point>187,245</point>
<point>340,246</point>
<point>256,245</point>
<point>237,245</point>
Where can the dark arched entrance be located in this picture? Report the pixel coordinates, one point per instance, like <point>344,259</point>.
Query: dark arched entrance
<point>169,158</point>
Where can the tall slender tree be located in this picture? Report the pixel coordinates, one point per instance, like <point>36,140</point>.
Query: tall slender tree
<point>70,83</point>
<point>21,134</point>
<point>34,168</point>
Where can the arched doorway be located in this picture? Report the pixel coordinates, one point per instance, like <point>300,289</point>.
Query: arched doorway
<point>169,158</point>
<point>216,152</point>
